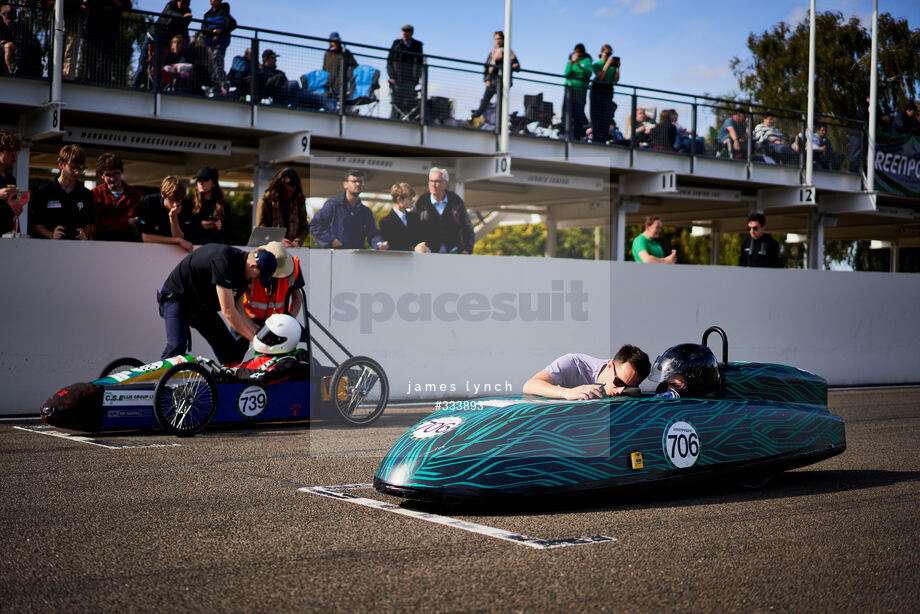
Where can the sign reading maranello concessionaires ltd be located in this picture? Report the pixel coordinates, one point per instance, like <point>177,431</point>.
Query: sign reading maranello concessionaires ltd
<point>141,140</point>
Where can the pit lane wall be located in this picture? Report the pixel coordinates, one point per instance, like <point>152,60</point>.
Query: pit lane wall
<point>449,327</point>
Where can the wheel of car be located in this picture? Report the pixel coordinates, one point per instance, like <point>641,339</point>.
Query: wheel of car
<point>185,399</point>
<point>359,390</point>
<point>120,364</point>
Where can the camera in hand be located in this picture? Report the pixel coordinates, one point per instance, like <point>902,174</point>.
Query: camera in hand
<point>616,60</point>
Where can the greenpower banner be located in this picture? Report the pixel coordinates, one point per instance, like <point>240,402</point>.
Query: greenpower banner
<point>897,163</point>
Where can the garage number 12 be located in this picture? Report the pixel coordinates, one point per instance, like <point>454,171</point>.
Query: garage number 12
<point>681,445</point>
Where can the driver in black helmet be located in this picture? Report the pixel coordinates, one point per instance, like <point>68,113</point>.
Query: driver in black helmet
<point>687,370</point>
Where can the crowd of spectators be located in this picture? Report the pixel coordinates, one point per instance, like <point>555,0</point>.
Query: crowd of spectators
<point>114,210</point>
<point>175,58</point>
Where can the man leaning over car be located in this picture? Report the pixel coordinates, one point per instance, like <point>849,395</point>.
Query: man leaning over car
<point>577,377</point>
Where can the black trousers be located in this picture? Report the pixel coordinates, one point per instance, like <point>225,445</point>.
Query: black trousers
<point>226,348</point>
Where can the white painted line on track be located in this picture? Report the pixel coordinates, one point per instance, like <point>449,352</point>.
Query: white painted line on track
<point>338,492</point>
<point>44,429</point>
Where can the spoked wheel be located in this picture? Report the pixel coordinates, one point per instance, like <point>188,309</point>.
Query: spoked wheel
<point>359,390</point>
<point>185,399</point>
<point>120,364</point>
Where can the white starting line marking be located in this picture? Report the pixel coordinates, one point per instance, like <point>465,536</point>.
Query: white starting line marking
<point>337,492</point>
<point>44,429</point>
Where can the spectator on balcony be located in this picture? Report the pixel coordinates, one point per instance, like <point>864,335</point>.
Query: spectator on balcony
<point>210,210</point>
<point>283,205</point>
<point>74,14</point>
<point>908,120</point>
<point>640,127</point>
<point>103,39</point>
<point>733,133</point>
<point>115,203</point>
<point>824,154</point>
<point>606,73</point>
<point>578,71</point>
<point>401,228</point>
<point>759,249</point>
<point>215,29</point>
<point>404,68</point>
<point>180,71</point>
<point>338,61</point>
<point>10,207</point>
<point>492,74</point>
<point>684,137</point>
<point>167,216</point>
<point>20,50</point>
<point>273,83</point>
<point>646,248</point>
<point>63,207</point>
<point>771,142</point>
<point>173,21</point>
<point>446,226</point>
<point>240,71</point>
<point>344,222</point>
<point>664,134</point>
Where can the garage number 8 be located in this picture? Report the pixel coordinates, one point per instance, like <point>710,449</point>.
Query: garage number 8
<point>252,401</point>
<point>681,445</point>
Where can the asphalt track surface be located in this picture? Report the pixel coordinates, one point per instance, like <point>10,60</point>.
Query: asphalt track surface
<point>217,523</point>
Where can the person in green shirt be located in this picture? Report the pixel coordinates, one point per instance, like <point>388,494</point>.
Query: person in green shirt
<point>646,248</point>
<point>606,73</point>
<point>577,77</point>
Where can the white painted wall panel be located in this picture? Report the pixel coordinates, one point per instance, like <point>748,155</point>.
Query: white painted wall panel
<point>68,308</point>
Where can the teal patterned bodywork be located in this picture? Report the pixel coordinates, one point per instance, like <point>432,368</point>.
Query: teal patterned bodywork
<point>769,418</point>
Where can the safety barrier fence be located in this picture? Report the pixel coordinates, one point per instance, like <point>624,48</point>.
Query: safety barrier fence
<point>301,72</point>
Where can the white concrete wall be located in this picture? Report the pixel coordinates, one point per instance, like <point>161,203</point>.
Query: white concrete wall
<point>68,308</point>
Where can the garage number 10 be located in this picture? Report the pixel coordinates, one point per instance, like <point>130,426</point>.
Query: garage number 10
<point>681,445</point>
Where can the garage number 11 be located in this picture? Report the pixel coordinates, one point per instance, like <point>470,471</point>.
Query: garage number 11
<point>681,445</point>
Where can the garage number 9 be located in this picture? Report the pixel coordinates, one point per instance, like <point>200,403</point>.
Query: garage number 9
<point>681,445</point>
<point>252,401</point>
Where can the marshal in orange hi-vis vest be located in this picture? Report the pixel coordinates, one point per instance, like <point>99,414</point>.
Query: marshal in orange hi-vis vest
<point>257,301</point>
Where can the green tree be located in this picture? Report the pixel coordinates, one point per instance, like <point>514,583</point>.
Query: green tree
<point>517,240</point>
<point>776,75</point>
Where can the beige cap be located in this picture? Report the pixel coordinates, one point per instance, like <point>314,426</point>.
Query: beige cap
<point>285,262</point>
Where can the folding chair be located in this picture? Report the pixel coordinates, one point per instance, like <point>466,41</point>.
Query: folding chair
<point>366,83</point>
<point>314,93</point>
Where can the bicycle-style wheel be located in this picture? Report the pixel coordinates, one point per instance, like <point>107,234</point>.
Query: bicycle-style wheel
<point>185,399</point>
<point>120,364</point>
<point>359,390</point>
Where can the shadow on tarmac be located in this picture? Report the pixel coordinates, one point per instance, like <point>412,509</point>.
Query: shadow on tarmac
<point>785,485</point>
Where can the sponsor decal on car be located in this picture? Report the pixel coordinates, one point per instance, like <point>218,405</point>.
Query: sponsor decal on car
<point>681,444</point>
<point>121,398</point>
<point>438,426</point>
<point>252,401</point>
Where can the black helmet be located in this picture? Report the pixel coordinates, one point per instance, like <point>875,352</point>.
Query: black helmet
<point>689,370</point>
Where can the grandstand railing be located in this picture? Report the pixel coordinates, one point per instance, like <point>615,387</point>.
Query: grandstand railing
<point>448,90</point>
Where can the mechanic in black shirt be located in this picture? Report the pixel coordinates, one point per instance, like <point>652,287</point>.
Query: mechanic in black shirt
<point>210,279</point>
<point>760,249</point>
<point>63,207</point>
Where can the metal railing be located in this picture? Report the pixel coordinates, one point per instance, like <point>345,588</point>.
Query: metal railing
<point>308,76</point>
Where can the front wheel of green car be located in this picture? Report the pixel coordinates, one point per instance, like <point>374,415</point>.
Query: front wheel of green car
<point>185,399</point>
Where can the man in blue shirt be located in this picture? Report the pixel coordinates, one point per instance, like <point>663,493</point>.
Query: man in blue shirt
<point>345,222</point>
<point>733,133</point>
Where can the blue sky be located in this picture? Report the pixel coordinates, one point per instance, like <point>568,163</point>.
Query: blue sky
<point>678,45</point>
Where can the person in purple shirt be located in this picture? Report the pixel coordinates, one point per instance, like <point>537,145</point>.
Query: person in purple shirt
<point>576,377</point>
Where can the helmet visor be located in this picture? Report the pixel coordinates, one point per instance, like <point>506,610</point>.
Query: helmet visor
<point>269,337</point>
